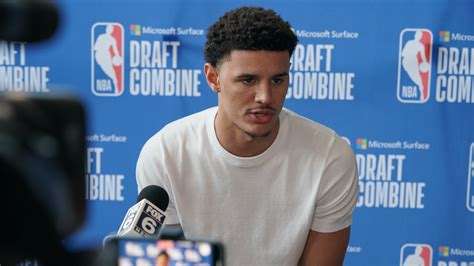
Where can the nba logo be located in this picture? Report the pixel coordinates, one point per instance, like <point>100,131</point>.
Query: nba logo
<point>470,180</point>
<point>107,54</point>
<point>416,254</point>
<point>414,65</point>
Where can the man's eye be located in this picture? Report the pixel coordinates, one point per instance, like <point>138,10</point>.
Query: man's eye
<point>277,80</point>
<point>248,81</point>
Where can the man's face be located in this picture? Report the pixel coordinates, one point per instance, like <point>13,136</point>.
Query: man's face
<point>253,86</point>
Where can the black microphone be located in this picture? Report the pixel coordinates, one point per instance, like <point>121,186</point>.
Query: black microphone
<point>146,218</point>
<point>28,20</point>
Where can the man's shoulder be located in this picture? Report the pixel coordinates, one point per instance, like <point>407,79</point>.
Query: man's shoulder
<point>193,125</point>
<point>309,134</point>
<point>190,121</point>
<point>306,125</point>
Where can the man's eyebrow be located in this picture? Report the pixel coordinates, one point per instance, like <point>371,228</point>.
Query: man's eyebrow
<point>248,75</point>
<point>245,75</point>
<point>282,74</point>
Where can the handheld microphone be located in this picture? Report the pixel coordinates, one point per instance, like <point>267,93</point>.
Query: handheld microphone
<point>33,20</point>
<point>145,218</point>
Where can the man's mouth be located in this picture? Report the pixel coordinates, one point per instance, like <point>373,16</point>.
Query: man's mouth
<point>261,116</point>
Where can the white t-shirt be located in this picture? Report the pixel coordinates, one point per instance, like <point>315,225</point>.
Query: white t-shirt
<point>263,207</point>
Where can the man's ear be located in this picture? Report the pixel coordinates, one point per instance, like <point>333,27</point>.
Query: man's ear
<point>212,77</point>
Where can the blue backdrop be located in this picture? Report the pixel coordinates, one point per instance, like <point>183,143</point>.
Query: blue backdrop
<point>394,78</point>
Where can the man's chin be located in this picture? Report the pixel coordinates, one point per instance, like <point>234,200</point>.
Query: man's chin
<point>261,130</point>
<point>258,134</point>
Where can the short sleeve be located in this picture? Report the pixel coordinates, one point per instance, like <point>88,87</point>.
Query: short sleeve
<point>338,190</point>
<point>150,171</point>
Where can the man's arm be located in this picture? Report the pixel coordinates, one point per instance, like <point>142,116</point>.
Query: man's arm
<point>325,249</point>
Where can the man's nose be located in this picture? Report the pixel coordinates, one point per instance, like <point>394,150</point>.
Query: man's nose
<point>263,94</point>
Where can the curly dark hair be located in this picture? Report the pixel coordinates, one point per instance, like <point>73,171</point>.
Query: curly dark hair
<point>248,28</point>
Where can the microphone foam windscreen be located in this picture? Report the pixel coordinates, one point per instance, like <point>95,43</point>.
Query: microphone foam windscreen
<point>28,20</point>
<point>156,195</point>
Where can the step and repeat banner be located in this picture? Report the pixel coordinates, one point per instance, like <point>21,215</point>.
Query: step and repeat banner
<point>395,79</point>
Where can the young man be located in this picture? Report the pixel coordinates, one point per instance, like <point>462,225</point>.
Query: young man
<point>275,188</point>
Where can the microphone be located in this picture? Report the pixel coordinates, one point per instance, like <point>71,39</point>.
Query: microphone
<point>145,218</point>
<point>33,20</point>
